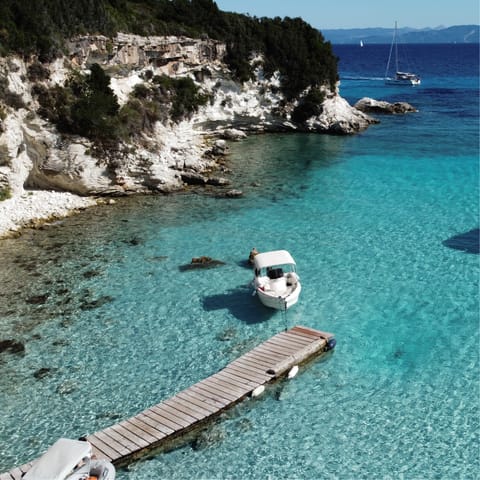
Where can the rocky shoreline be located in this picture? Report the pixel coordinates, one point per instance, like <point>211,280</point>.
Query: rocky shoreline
<point>34,208</point>
<point>46,176</point>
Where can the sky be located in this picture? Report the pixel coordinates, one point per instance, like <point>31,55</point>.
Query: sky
<point>326,14</point>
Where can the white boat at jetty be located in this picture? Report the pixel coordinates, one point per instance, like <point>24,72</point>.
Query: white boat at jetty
<point>400,78</point>
<point>276,281</point>
<point>70,460</point>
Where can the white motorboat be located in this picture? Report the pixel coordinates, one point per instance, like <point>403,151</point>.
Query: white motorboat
<point>400,78</point>
<point>70,460</point>
<point>276,281</point>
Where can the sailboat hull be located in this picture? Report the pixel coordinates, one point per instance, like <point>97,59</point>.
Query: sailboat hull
<point>403,81</point>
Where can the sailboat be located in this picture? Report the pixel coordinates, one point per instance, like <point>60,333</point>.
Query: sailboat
<point>400,78</point>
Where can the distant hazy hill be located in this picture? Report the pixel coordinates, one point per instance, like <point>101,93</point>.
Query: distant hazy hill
<point>457,34</point>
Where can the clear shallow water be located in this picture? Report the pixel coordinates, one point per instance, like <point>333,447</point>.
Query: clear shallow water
<point>121,327</point>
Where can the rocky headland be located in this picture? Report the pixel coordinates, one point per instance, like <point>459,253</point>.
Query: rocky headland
<point>46,175</point>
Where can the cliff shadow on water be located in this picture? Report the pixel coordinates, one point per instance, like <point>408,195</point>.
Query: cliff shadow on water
<point>286,162</point>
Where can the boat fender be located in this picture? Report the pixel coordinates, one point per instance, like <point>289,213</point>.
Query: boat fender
<point>293,371</point>
<point>258,391</point>
<point>330,344</point>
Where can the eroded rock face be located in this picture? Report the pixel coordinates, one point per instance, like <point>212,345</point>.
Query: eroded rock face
<point>339,117</point>
<point>34,155</point>
<point>170,54</point>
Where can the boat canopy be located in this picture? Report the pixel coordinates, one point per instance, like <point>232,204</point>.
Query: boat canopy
<point>270,259</point>
<point>59,460</point>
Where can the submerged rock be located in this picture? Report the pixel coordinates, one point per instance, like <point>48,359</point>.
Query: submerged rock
<point>209,438</point>
<point>42,373</point>
<point>12,346</point>
<point>201,262</point>
<point>96,303</point>
<point>91,274</point>
<point>38,299</point>
<point>227,334</point>
<point>67,387</point>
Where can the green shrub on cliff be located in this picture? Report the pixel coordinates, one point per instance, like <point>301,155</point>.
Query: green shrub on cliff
<point>183,95</point>
<point>85,106</point>
<point>309,106</point>
<point>5,193</point>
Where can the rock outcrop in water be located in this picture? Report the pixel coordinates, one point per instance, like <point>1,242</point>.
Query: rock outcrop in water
<point>33,155</point>
<point>369,105</point>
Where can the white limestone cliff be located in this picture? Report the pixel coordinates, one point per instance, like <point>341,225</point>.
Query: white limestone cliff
<point>35,158</point>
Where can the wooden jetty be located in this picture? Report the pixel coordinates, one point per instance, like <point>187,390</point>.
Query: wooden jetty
<point>200,403</point>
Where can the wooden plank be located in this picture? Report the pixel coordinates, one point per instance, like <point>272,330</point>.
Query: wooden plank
<point>209,395</point>
<point>222,382</point>
<point>129,434</point>
<point>241,371</point>
<point>272,348</point>
<point>143,430</point>
<point>196,403</point>
<point>97,453</point>
<point>260,350</point>
<point>216,384</point>
<point>310,332</point>
<point>298,339</point>
<point>258,360</point>
<point>111,442</point>
<point>98,443</point>
<point>303,335</point>
<point>278,348</point>
<point>241,384</point>
<point>269,350</point>
<point>167,411</point>
<point>215,405</point>
<point>121,442</point>
<point>204,399</point>
<point>282,340</point>
<point>287,343</point>
<point>230,383</point>
<point>314,348</point>
<point>269,358</point>
<point>157,423</point>
<point>177,405</point>
<point>199,412</point>
<point>267,362</point>
<point>249,365</point>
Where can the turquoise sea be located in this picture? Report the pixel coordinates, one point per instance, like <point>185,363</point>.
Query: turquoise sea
<point>111,323</point>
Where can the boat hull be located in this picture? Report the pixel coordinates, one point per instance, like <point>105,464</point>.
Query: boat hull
<point>279,302</point>
<point>405,82</point>
<point>276,282</point>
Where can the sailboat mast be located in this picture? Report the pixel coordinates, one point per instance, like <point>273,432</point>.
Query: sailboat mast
<point>396,47</point>
<point>390,55</point>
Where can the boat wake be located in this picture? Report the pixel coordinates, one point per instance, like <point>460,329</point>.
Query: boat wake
<point>350,77</point>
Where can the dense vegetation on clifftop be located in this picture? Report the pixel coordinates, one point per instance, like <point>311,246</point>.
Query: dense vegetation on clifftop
<point>291,46</point>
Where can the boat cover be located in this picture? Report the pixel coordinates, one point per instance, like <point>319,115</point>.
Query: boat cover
<point>270,259</point>
<point>59,460</point>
